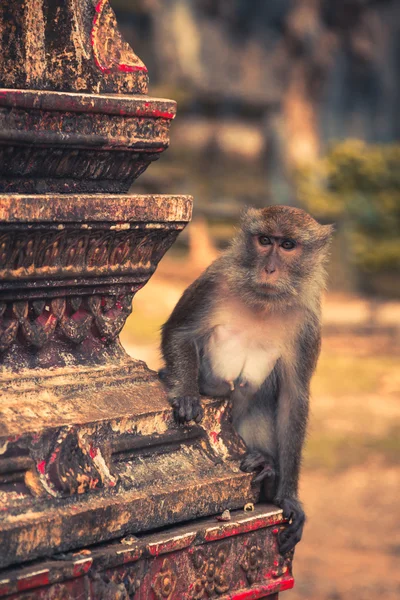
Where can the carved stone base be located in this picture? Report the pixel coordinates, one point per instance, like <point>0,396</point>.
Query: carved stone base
<point>90,455</point>
<point>205,560</point>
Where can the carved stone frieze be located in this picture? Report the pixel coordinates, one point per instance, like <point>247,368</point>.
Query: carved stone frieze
<point>212,576</point>
<point>64,251</point>
<point>36,322</point>
<point>87,151</point>
<point>85,171</point>
<point>73,128</point>
<point>179,563</point>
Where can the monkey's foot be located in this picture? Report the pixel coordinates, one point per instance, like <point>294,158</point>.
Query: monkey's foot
<point>256,461</point>
<point>187,408</point>
<point>291,535</point>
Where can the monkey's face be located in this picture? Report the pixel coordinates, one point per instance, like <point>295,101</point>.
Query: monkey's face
<point>277,261</point>
<point>282,250</point>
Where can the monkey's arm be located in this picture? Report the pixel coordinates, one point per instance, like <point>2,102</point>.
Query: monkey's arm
<point>291,425</point>
<point>180,349</point>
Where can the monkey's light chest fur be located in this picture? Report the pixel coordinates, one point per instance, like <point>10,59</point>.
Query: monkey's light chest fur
<point>245,344</point>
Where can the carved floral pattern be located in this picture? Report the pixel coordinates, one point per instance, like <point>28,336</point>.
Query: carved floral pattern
<point>95,168</point>
<point>165,581</point>
<point>211,577</point>
<point>37,320</point>
<point>251,562</point>
<point>282,565</point>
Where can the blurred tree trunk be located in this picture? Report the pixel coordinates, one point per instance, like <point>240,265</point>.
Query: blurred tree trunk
<point>310,56</point>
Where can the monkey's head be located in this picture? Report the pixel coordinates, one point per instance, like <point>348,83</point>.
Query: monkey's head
<point>279,254</point>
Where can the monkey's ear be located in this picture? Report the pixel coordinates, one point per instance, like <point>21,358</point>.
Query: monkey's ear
<point>247,213</point>
<point>250,219</point>
<point>325,235</point>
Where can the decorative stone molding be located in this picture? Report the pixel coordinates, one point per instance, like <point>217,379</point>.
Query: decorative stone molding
<point>175,564</point>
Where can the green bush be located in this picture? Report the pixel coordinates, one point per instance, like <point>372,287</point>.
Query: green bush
<point>357,186</point>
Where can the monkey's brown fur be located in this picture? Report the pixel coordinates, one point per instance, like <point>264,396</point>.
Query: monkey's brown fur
<point>249,327</point>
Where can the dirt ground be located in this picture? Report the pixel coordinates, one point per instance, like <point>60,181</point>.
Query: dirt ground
<point>350,483</point>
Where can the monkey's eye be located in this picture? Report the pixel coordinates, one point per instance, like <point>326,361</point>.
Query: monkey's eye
<point>264,240</point>
<point>288,244</point>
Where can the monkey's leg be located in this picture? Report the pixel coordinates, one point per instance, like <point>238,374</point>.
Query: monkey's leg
<point>254,423</point>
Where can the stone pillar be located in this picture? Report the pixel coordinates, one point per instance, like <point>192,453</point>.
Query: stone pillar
<point>91,461</point>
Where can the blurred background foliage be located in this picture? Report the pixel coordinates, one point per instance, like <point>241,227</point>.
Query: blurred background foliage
<point>357,185</point>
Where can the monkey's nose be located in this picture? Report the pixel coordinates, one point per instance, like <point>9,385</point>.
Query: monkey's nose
<point>270,270</point>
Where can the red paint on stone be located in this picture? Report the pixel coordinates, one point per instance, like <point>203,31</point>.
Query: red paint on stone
<point>261,591</point>
<point>93,451</point>
<point>41,467</point>
<point>172,545</point>
<point>33,581</point>
<point>82,567</point>
<point>131,556</point>
<point>159,114</point>
<point>5,588</point>
<point>132,68</point>
<point>228,530</point>
<point>286,584</point>
<point>54,455</point>
<point>214,436</point>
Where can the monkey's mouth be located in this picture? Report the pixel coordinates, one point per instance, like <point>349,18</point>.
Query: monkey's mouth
<point>273,289</point>
<point>268,289</point>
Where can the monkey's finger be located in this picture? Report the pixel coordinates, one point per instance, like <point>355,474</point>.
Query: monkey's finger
<point>197,412</point>
<point>188,409</point>
<point>288,515</point>
<point>266,473</point>
<point>252,461</point>
<point>176,416</point>
<point>182,409</point>
<point>289,545</point>
<point>288,512</point>
<point>289,538</point>
<point>292,532</point>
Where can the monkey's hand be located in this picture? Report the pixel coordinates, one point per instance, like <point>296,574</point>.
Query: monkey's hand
<point>187,408</point>
<point>257,461</point>
<point>291,535</point>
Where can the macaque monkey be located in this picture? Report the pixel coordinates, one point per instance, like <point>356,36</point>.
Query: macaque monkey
<point>249,328</point>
